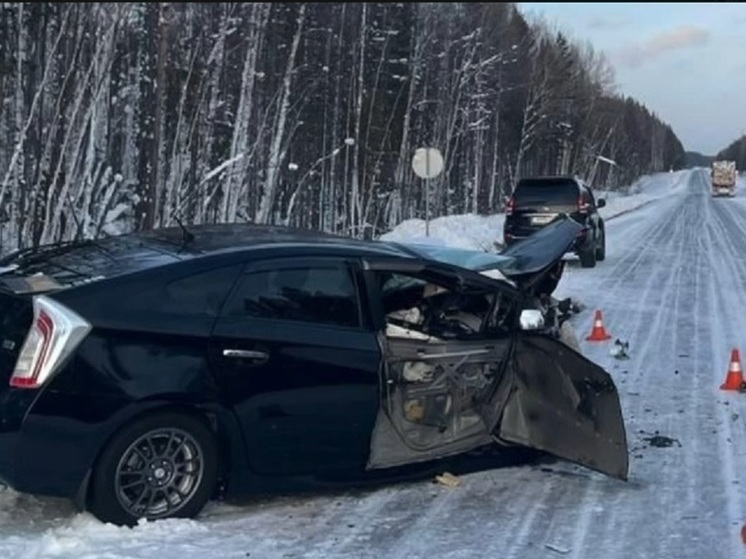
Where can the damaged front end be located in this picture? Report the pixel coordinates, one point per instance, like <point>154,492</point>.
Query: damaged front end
<point>476,363</point>
<point>444,397</point>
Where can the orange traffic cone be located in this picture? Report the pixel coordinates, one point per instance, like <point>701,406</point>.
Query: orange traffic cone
<point>734,379</point>
<point>599,333</point>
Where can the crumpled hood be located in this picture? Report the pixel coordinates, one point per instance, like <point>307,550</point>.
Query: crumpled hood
<point>535,263</point>
<point>527,263</point>
<point>542,249</point>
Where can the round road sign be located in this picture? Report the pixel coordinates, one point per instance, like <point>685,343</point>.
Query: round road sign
<point>427,163</point>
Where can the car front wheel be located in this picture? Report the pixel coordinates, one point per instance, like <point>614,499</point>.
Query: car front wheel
<point>162,466</point>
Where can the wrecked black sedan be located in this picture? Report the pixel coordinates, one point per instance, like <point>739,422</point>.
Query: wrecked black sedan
<point>144,374</point>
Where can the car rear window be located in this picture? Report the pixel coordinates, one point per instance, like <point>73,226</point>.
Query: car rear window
<point>76,263</point>
<point>546,192</point>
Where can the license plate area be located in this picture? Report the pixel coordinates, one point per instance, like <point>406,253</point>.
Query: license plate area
<point>541,219</point>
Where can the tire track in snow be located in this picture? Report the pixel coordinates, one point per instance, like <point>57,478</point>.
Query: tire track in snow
<point>728,326</point>
<point>648,320</point>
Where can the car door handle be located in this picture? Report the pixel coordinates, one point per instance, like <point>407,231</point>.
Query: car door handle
<point>246,354</point>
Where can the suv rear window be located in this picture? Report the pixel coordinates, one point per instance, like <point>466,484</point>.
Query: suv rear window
<point>546,192</point>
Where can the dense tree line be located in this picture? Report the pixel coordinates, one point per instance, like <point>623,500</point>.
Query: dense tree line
<point>134,115</point>
<point>736,151</point>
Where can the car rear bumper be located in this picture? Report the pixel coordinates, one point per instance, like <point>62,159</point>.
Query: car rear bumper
<point>8,442</point>
<point>14,405</point>
<point>41,455</point>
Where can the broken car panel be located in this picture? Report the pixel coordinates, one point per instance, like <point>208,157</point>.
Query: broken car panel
<point>458,373</point>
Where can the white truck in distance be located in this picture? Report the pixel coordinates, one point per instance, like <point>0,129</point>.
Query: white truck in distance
<point>724,176</point>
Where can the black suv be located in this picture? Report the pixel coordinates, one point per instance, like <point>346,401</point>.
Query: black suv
<point>539,200</point>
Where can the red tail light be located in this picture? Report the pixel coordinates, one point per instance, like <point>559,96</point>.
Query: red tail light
<point>54,335</point>
<point>510,206</point>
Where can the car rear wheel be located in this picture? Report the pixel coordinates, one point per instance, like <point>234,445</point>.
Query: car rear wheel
<point>162,466</point>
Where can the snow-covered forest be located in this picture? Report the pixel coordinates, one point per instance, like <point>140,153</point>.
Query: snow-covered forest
<point>736,151</point>
<point>130,115</point>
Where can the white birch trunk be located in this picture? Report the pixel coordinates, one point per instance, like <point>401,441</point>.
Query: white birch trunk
<point>277,153</point>
<point>355,202</point>
<point>236,180</point>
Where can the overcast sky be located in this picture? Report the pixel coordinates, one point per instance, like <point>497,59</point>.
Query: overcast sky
<point>684,61</point>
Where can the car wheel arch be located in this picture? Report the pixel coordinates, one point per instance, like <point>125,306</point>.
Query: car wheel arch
<point>213,420</point>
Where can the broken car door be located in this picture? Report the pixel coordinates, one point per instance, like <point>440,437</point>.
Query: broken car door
<point>564,404</point>
<point>441,363</point>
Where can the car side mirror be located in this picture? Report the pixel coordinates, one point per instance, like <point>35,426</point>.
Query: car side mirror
<point>600,203</point>
<point>531,319</point>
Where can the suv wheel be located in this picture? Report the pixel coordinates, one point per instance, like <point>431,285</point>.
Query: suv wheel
<point>588,257</point>
<point>162,466</point>
<point>601,249</point>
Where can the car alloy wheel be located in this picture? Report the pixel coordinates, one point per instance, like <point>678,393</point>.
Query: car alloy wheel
<point>159,473</point>
<point>162,465</point>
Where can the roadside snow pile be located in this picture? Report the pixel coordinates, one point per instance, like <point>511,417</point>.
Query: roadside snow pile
<point>469,231</point>
<point>82,536</point>
<point>473,231</point>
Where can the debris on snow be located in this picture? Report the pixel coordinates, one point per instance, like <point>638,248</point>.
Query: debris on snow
<point>558,549</point>
<point>448,479</point>
<point>619,349</point>
<point>660,441</point>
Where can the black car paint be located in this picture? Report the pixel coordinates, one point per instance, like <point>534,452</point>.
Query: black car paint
<point>126,367</point>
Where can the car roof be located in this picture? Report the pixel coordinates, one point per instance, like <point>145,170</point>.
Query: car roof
<point>81,262</point>
<point>551,179</point>
<point>212,238</point>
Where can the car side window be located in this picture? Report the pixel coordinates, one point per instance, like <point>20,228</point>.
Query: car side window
<point>198,294</point>
<point>201,293</point>
<point>319,294</point>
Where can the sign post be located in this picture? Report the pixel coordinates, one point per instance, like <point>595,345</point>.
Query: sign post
<point>427,164</point>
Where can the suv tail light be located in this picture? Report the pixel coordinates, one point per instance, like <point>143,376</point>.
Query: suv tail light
<point>54,335</point>
<point>510,206</point>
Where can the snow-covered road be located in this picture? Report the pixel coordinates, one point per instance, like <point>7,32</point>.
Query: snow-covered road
<point>674,286</point>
